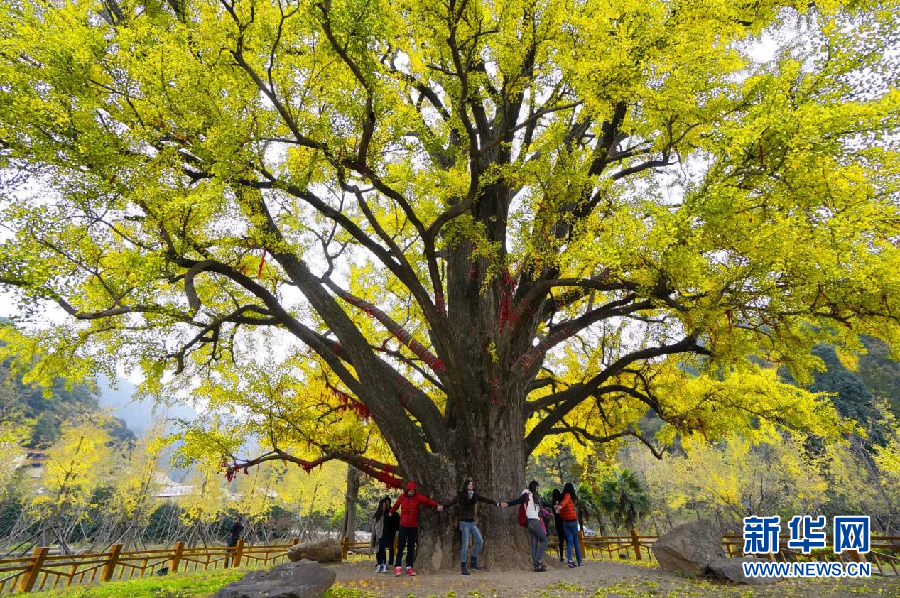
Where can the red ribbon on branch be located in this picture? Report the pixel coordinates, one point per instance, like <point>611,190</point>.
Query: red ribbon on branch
<point>507,289</point>
<point>495,394</point>
<point>385,478</point>
<point>308,466</point>
<point>382,473</point>
<point>348,403</point>
<point>527,359</point>
<point>403,335</point>
<point>262,262</point>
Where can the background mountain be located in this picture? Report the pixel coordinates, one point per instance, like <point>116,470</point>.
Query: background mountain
<point>138,415</point>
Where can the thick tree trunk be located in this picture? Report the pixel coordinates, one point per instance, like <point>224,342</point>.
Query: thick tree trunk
<point>490,451</point>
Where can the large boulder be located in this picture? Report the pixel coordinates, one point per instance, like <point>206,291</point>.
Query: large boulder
<point>689,548</point>
<point>321,551</point>
<point>732,570</point>
<point>303,579</point>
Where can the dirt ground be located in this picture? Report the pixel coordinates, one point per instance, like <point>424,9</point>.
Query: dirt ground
<point>597,579</point>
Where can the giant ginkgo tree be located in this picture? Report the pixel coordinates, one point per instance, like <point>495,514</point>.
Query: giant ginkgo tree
<point>481,223</point>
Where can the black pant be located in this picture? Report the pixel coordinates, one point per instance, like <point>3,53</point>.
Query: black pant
<point>561,534</point>
<point>385,543</point>
<point>232,547</point>
<point>408,535</point>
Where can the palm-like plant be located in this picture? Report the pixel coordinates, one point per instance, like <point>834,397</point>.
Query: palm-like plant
<point>587,506</point>
<point>623,498</point>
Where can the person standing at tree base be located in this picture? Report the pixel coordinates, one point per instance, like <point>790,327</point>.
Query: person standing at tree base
<point>569,515</point>
<point>409,503</point>
<point>558,524</point>
<point>530,512</point>
<point>467,499</point>
<point>389,534</point>
<point>379,523</point>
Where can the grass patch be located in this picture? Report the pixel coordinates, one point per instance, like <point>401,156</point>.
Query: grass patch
<point>568,587</point>
<point>192,584</point>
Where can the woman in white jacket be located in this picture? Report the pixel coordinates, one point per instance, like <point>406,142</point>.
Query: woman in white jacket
<point>532,506</point>
<point>379,529</point>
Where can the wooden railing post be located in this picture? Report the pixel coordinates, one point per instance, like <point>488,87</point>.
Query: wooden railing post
<point>176,556</point>
<point>238,553</point>
<point>71,575</point>
<point>110,565</point>
<point>345,548</point>
<point>636,543</point>
<point>37,559</point>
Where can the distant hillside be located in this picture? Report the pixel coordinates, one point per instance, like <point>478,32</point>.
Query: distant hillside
<point>138,415</point>
<point>46,410</point>
<point>880,373</point>
<point>877,376</point>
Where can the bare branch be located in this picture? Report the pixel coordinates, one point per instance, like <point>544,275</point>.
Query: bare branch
<point>237,317</point>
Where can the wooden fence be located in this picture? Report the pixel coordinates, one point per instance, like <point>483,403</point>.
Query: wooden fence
<point>44,571</point>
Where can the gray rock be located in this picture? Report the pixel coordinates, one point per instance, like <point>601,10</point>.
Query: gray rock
<point>303,579</point>
<point>732,570</point>
<point>689,548</point>
<point>321,551</point>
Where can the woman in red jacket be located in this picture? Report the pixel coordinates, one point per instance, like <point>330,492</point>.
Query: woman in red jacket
<point>409,503</point>
<point>569,516</point>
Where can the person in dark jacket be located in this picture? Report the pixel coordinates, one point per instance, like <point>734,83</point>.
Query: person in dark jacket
<point>467,499</point>
<point>569,514</point>
<point>558,523</point>
<point>409,503</point>
<point>389,533</point>
<point>234,534</point>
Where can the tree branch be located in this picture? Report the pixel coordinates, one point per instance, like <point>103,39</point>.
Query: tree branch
<point>381,471</point>
<point>401,334</point>
<point>577,431</point>
<point>532,407</point>
<point>403,271</point>
<point>570,398</point>
<point>600,282</point>
<point>570,328</point>
<point>237,317</point>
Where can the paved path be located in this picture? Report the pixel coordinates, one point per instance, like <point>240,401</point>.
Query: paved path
<point>597,579</point>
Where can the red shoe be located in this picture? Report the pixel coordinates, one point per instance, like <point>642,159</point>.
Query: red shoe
<point>410,571</point>
<point>397,571</point>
